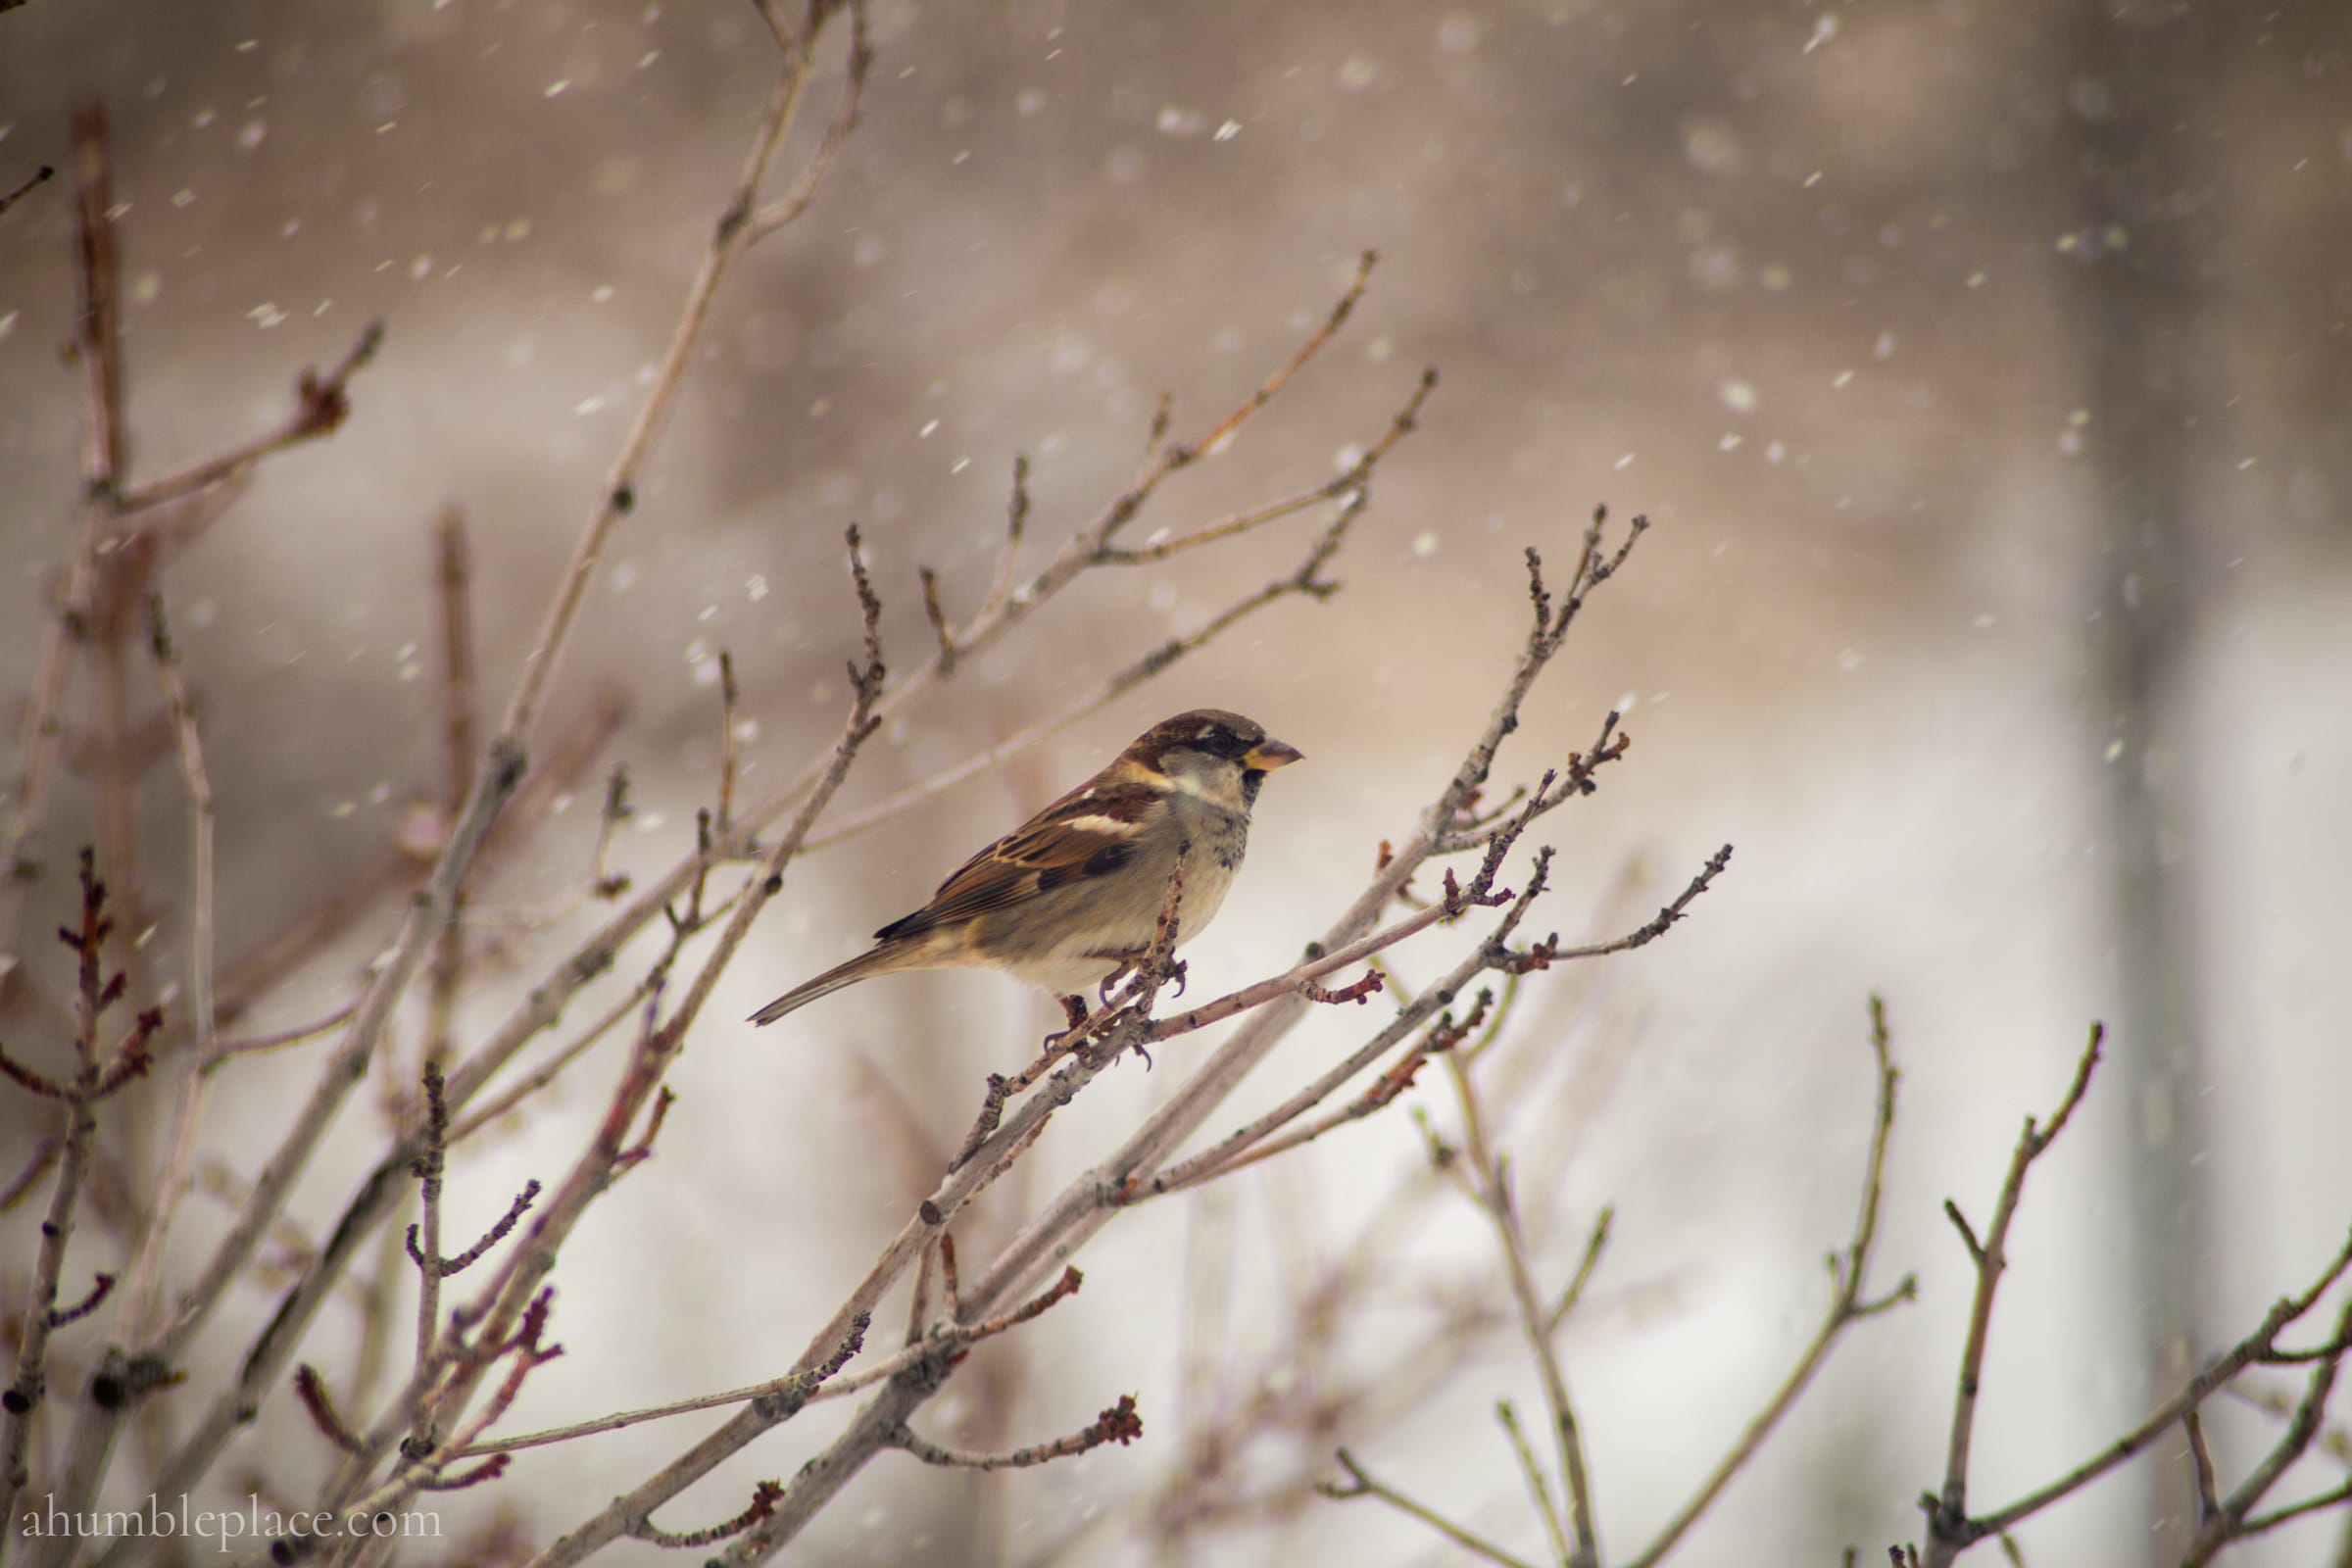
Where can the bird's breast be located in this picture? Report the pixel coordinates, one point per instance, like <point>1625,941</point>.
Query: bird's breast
<point>1218,837</point>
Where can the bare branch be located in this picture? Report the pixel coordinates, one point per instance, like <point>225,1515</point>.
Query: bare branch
<point>788,1393</point>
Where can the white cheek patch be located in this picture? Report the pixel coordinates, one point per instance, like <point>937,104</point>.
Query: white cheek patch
<point>1188,784</point>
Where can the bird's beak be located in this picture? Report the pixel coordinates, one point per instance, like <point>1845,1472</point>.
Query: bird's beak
<point>1266,755</point>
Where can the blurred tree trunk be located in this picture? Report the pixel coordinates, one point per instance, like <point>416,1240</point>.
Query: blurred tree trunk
<point>2142,286</point>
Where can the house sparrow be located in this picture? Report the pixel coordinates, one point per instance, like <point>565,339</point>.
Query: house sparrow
<point>1072,896</point>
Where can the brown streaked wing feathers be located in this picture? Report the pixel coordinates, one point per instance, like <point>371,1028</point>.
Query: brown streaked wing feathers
<point>1045,851</point>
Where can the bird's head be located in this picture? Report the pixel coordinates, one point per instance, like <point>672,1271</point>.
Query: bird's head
<point>1218,756</point>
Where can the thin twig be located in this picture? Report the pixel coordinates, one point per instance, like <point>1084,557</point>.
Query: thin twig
<point>2228,1520</point>
<point>1350,481</point>
<point>1537,1487</point>
<point>2193,1426</point>
<point>764,1495</point>
<point>1583,1277</point>
<point>322,403</point>
<point>426,1468</point>
<point>1360,1484</point>
<point>228,1051</point>
<point>455,598</point>
<point>312,1390</point>
<point>809,1386</point>
<point>428,1170</point>
<point>44,1161</point>
<point>728,702</point>
<point>1947,1522</point>
<point>548,1071</point>
<point>30,183</point>
<point>2334,1441</point>
<point>1494,1190</point>
<point>2262,1523</point>
<point>141,1295</point>
<point>1117,1424</point>
<point>1231,426</point>
<point>794,200</point>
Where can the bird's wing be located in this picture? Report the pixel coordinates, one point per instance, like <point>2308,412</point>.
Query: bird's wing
<point>1090,832</point>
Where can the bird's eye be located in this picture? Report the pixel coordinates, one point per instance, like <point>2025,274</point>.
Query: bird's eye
<point>1219,741</point>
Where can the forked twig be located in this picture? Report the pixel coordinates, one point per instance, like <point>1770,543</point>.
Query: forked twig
<point>1948,1525</point>
<point>1850,1303</point>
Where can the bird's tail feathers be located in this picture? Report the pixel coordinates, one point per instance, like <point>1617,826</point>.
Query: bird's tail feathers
<point>877,960</point>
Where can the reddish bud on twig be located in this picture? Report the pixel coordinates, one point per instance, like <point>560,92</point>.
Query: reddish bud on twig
<point>311,1388</point>
<point>765,1495</point>
<point>489,1469</point>
<point>643,1150</point>
<point>446,1266</point>
<point>31,1082</point>
<point>60,1316</point>
<point>1358,992</point>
